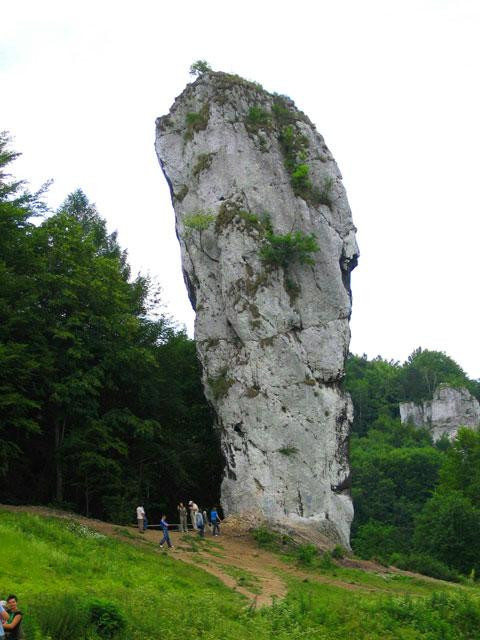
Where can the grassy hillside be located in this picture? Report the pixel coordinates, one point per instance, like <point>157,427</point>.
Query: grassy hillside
<point>64,574</point>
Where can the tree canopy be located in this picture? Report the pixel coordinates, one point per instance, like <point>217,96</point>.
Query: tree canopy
<point>100,399</point>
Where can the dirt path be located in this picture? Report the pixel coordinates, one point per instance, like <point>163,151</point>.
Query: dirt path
<point>257,574</point>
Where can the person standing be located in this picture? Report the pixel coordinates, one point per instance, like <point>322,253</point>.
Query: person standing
<point>205,520</point>
<point>166,536</point>
<point>140,518</point>
<point>12,627</point>
<point>200,524</point>
<point>182,514</point>
<point>215,521</point>
<point>193,513</point>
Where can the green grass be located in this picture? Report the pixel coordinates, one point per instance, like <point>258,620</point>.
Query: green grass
<point>244,578</point>
<point>62,573</point>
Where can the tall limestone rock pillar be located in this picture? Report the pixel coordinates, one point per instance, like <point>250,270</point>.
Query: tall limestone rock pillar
<point>251,180</point>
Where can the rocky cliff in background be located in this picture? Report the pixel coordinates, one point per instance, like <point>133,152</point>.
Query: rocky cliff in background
<point>449,409</point>
<point>267,244</point>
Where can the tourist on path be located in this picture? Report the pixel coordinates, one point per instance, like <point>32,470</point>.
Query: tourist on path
<point>205,520</point>
<point>182,514</point>
<point>140,518</point>
<point>193,513</point>
<point>200,524</point>
<point>166,536</point>
<point>215,521</point>
<point>12,627</point>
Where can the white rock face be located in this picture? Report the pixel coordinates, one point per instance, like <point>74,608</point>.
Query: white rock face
<point>449,410</point>
<point>272,341</point>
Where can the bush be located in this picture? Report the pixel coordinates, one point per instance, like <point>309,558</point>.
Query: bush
<point>106,618</point>
<point>199,221</point>
<point>339,552</point>
<point>199,67</point>
<point>326,562</point>
<point>376,539</point>
<point>300,180</point>
<point>265,538</point>
<point>306,554</point>
<point>422,563</point>
<point>282,250</point>
<point>257,118</point>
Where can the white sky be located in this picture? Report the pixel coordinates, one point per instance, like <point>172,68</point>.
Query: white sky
<point>393,87</point>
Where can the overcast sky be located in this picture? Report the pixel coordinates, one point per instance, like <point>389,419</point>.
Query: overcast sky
<point>392,86</point>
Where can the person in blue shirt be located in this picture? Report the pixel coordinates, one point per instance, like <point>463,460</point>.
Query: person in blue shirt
<point>166,536</point>
<point>215,521</point>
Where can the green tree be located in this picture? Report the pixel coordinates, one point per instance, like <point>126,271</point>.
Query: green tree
<point>448,528</point>
<point>461,466</point>
<point>424,370</point>
<point>20,368</point>
<point>375,390</point>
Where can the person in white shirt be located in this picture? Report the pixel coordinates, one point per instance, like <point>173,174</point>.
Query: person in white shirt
<point>193,513</point>
<point>3,618</point>
<point>140,518</point>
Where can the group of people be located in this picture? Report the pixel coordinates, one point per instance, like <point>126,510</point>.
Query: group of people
<point>198,518</point>
<point>11,618</point>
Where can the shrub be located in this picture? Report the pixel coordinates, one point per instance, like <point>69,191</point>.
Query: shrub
<point>220,384</point>
<point>196,121</point>
<point>204,161</point>
<point>300,180</point>
<point>306,554</point>
<point>376,539</point>
<point>282,250</point>
<point>106,618</point>
<point>339,552</point>
<point>326,561</point>
<point>324,196</point>
<point>199,67</point>
<point>422,563</point>
<point>257,118</point>
<point>265,538</point>
<point>199,221</point>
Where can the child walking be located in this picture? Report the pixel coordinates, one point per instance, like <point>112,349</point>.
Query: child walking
<point>166,536</point>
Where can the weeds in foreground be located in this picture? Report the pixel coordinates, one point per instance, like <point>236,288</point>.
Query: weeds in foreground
<point>58,574</point>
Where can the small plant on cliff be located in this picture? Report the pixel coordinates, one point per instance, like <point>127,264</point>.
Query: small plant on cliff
<point>257,118</point>
<point>196,121</point>
<point>283,250</point>
<point>198,221</point>
<point>220,384</point>
<point>199,67</point>
<point>204,160</point>
<point>288,451</point>
<point>299,179</point>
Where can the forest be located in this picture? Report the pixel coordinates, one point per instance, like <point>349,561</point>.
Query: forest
<point>101,404</point>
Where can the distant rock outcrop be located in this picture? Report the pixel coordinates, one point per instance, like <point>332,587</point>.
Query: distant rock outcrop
<point>449,409</point>
<point>267,244</point>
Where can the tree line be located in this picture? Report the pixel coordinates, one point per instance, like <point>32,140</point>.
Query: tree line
<point>417,504</point>
<point>101,403</point>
